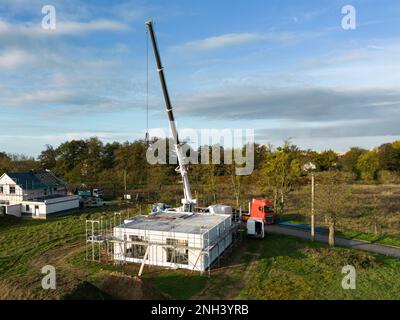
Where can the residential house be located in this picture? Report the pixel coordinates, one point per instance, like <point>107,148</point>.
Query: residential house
<point>37,194</point>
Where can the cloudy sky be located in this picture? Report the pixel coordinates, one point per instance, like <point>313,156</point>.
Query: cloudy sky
<point>285,68</point>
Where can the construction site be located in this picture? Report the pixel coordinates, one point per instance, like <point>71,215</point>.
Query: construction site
<point>182,237</point>
<point>166,239</point>
<point>112,224</point>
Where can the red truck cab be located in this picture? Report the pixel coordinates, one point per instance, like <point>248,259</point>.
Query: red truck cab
<point>260,209</point>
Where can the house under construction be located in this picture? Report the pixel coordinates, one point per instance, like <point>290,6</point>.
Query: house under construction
<point>173,239</point>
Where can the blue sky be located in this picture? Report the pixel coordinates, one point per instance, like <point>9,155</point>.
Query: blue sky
<point>285,68</point>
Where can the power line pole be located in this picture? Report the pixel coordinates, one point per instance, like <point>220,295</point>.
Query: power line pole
<point>125,186</point>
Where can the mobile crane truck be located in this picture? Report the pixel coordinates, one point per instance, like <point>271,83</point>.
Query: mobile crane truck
<point>261,213</point>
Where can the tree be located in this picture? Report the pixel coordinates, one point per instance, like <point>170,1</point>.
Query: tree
<point>70,160</point>
<point>327,160</point>
<point>130,162</point>
<point>348,162</point>
<point>396,144</point>
<point>210,182</point>
<point>48,158</point>
<point>237,183</point>
<point>5,162</point>
<point>280,173</point>
<point>331,200</point>
<point>260,154</point>
<point>93,161</point>
<point>368,165</point>
<point>389,157</point>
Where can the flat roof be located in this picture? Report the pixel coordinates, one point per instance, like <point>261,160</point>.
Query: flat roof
<point>48,197</point>
<point>179,222</point>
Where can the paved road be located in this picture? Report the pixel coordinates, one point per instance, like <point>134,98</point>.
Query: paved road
<point>354,244</point>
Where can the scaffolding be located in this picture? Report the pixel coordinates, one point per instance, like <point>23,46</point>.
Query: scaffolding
<point>99,237</point>
<point>102,240</point>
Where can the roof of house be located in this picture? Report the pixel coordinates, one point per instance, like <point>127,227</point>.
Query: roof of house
<point>177,222</point>
<point>48,178</point>
<point>35,180</point>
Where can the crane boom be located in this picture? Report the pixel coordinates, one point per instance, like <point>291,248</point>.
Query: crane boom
<point>188,201</point>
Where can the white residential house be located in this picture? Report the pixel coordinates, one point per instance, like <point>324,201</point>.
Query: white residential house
<point>37,194</point>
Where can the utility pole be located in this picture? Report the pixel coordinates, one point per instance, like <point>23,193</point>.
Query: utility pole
<point>312,206</point>
<point>125,187</point>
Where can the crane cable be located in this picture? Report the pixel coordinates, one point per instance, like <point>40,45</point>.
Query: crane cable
<point>147,88</point>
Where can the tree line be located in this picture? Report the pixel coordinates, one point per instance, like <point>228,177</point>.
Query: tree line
<point>116,165</point>
<point>278,172</point>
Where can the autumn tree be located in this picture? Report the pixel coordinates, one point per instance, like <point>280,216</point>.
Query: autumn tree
<point>389,157</point>
<point>236,182</point>
<point>331,200</point>
<point>348,162</point>
<point>48,158</point>
<point>5,162</point>
<point>280,172</point>
<point>326,160</point>
<point>368,165</point>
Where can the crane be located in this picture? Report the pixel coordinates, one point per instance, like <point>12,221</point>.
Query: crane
<point>188,202</point>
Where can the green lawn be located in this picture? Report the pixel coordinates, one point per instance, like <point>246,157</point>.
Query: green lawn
<point>291,268</point>
<point>28,245</point>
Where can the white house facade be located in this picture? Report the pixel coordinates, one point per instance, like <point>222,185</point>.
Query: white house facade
<point>36,194</point>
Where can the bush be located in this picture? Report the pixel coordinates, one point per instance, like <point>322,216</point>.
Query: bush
<point>341,176</point>
<point>388,177</point>
<point>368,165</point>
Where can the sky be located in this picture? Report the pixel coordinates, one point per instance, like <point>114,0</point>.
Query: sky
<point>286,69</point>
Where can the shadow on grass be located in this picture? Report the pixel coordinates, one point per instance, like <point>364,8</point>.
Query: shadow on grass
<point>180,286</point>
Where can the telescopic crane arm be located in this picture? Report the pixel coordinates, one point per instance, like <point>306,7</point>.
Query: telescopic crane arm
<point>188,201</point>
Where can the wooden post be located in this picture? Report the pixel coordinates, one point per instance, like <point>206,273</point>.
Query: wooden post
<point>331,232</point>
<point>144,261</point>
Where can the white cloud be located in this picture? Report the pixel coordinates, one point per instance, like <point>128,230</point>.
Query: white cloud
<point>301,103</point>
<point>231,39</point>
<point>14,58</point>
<point>74,27</point>
<point>14,30</point>
<point>40,97</point>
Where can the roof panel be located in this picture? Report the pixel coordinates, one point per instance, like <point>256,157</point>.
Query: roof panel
<point>176,222</point>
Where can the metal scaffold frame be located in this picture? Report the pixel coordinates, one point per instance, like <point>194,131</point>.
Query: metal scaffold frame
<point>101,240</point>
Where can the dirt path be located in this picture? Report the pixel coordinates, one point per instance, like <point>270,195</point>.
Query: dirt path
<point>234,268</point>
<point>233,294</point>
<point>354,244</point>
<point>58,258</point>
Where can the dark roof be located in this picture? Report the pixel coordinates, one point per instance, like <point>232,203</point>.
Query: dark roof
<point>35,180</point>
<point>26,180</point>
<point>48,178</point>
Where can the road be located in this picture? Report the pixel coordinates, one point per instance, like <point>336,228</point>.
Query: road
<point>354,244</point>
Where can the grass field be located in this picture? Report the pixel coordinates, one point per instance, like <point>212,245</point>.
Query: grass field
<point>275,268</point>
